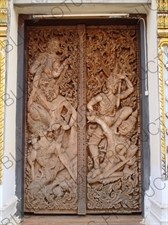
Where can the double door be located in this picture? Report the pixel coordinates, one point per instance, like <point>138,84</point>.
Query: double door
<point>82,152</point>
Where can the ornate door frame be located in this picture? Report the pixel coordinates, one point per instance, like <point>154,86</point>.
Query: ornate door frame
<point>25,20</point>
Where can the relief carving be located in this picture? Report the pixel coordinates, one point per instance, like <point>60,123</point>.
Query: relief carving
<point>112,114</point>
<point>51,182</point>
<point>82,123</point>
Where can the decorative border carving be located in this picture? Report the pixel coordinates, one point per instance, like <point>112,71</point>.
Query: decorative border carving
<point>1,108</point>
<point>162,87</point>
<point>162,5</point>
<point>162,21</point>
<point>162,25</point>
<point>139,119</point>
<point>3,12</point>
<point>82,124</point>
<point>3,24</point>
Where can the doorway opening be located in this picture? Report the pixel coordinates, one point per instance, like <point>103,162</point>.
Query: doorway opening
<point>82,117</point>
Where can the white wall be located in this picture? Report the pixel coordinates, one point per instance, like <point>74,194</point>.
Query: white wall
<point>158,202</point>
<point>7,189</point>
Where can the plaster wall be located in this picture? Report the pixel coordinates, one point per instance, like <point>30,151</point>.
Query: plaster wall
<point>155,201</point>
<point>7,189</point>
<point>157,195</point>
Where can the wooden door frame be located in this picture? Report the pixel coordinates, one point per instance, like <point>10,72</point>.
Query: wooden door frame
<point>23,22</point>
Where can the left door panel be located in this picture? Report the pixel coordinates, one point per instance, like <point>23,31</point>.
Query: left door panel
<point>51,119</point>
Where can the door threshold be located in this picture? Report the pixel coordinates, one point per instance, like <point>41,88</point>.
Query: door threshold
<point>82,220</point>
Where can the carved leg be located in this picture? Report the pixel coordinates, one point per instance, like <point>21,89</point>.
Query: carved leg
<point>31,158</point>
<point>109,165</point>
<point>127,170</point>
<point>32,171</point>
<point>120,116</point>
<point>110,179</point>
<point>95,155</point>
<point>125,112</point>
<point>93,146</point>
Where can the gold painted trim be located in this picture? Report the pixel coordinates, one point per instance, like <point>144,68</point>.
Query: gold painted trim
<point>3,3</point>
<point>162,42</point>
<point>3,28</point>
<point>162,21</point>
<point>163,33</point>
<point>2,70</point>
<point>162,30</point>
<point>162,5</point>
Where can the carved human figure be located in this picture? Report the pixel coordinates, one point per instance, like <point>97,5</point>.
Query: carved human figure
<point>120,152</point>
<point>60,110</point>
<point>52,120</point>
<point>52,62</point>
<point>53,172</point>
<point>44,152</point>
<point>62,116</point>
<point>53,108</point>
<point>108,104</point>
<point>49,154</point>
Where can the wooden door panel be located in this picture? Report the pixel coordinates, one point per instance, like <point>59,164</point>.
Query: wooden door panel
<point>51,134</point>
<point>113,150</point>
<point>82,151</point>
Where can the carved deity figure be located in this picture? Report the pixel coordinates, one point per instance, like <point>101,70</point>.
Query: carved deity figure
<point>119,152</point>
<point>108,104</point>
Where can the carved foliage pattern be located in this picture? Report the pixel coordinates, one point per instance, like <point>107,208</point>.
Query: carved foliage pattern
<point>113,120</point>
<point>51,151</point>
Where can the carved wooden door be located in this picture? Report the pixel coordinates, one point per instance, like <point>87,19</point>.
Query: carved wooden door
<point>82,120</point>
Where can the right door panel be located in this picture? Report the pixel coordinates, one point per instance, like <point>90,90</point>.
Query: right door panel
<point>113,123</point>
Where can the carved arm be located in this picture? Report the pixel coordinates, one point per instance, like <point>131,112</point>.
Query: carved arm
<point>58,69</point>
<point>93,101</point>
<point>129,90</point>
<point>106,129</point>
<point>41,59</point>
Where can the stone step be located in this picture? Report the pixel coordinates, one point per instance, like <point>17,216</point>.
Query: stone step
<point>82,220</point>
